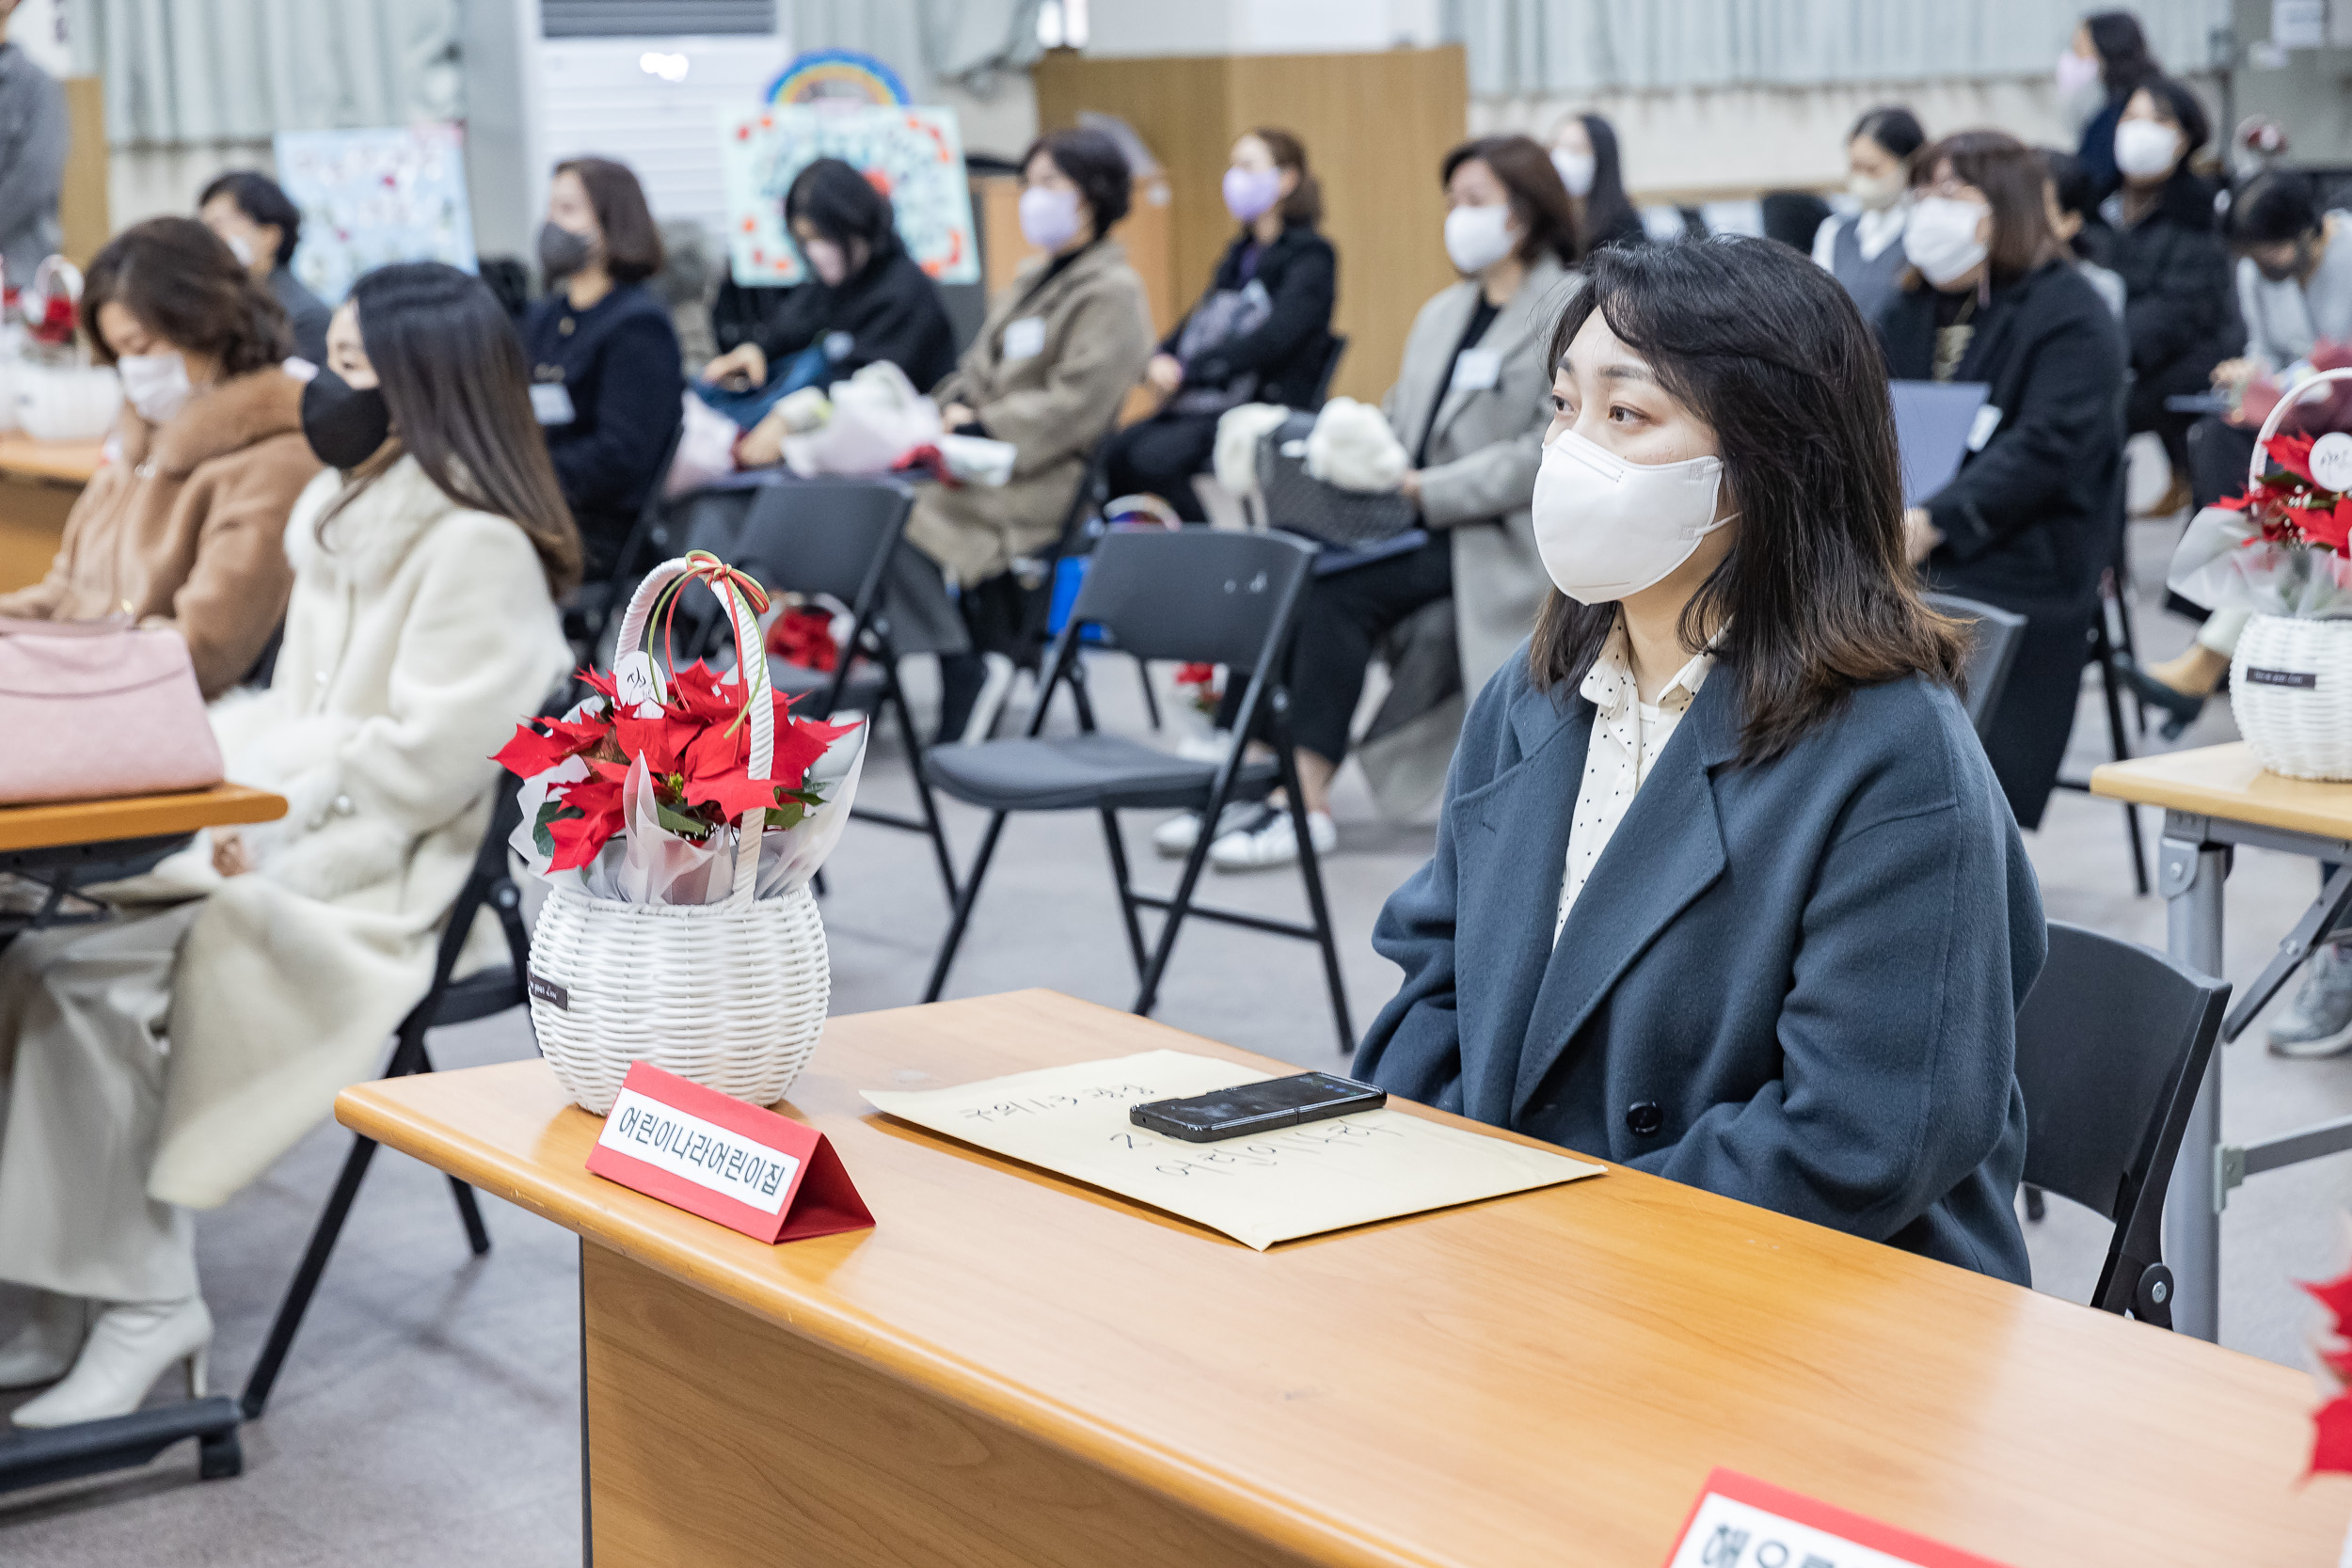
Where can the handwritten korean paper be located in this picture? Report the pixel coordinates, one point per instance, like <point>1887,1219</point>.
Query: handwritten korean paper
<point>1259,1190</point>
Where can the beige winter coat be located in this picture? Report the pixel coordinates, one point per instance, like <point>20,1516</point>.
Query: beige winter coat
<point>1484,446</point>
<point>182,527</point>
<point>415,637</point>
<point>1052,398</point>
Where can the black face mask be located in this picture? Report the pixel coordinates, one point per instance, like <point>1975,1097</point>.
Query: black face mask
<point>345,424</point>
<point>561,252</point>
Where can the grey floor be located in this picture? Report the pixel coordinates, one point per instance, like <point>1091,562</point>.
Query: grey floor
<point>429,1411</point>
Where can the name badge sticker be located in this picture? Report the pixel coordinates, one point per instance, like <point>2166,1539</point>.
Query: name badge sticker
<point>1741,1522</point>
<point>1477,369</point>
<point>1024,339</point>
<point>1988,419</point>
<point>551,401</point>
<point>772,1177</point>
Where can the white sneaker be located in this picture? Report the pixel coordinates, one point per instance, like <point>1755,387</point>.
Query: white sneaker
<point>2318,1022</point>
<point>132,1344</point>
<point>1175,838</point>
<point>1267,839</point>
<point>44,1348</point>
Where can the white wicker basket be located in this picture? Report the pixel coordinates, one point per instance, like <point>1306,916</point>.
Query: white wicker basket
<point>2291,677</point>
<point>731,995</point>
<point>2291,692</point>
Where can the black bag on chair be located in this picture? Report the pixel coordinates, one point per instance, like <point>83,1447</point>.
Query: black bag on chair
<point>1297,502</point>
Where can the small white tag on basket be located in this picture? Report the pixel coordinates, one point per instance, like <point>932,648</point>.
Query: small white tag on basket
<point>632,679</point>
<point>2331,461</point>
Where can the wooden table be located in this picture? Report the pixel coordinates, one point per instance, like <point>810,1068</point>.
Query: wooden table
<point>2214,798</point>
<point>55,843</point>
<point>39,482</point>
<point>1013,1370</point>
<point>62,824</point>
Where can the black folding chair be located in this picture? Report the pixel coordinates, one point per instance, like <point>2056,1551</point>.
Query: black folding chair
<point>2109,642</point>
<point>593,604</point>
<point>1993,639</point>
<point>1330,368</point>
<point>1196,595</point>
<point>835,537</point>
<point>448,1000</point>
<point>2111,1045</point>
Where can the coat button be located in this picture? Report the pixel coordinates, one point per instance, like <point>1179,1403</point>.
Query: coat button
<point>1643,1117</point>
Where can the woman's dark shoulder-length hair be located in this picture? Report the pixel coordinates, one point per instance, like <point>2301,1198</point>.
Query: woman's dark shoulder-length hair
<point>451,369</point>
<point>1525,170</point>
<point>1816,598</point>
<point>2011,175</point>
<point>1092,161</point>
<point>632,243</point>
<point>842,205</point>
<point>184,284</point>
<point>1607,208</point>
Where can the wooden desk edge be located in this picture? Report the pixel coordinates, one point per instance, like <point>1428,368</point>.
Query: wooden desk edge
<point>1203,1488</point>
<point>138,816</point>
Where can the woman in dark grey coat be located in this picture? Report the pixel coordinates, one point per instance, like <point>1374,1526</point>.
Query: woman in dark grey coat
<point>1767,936</point>
<point>2034,513</point>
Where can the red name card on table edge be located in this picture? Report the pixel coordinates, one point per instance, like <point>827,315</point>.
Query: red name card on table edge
<point>772,1177</point>
<point>1739,1522</point>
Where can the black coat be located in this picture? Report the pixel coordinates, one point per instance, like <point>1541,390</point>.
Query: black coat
<point>1300,272</point>
<point>2180,296</point>
<point>618,362</point>
<point>2032,517</point>
<point>890,312</point>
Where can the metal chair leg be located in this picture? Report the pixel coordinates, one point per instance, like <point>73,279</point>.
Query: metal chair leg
<point>923,795</point>
<point>1117,847</point>
<point>1150,698</point>
<point>1310,872</point>
<point>1179,904</point>
<point>469,1212</point>
<point>306,1279</point>
<point>964,908</point>
<point>2110,691</point>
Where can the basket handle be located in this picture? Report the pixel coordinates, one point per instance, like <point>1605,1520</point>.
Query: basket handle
<point>751,665</point>
<point>2279,412</point>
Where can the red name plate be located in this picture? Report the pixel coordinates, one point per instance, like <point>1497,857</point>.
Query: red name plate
<point>711,1154</point>
<point>1741,1522</point>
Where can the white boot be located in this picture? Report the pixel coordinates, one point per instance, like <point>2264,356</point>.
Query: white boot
<point>42,1350</point>
<point>132,1344</point>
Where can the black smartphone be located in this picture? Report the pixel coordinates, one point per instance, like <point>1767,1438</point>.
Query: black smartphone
<point>1263,1108</point>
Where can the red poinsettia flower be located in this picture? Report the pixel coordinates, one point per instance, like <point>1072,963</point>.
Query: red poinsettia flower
<point>2293,454</point>
<point>2332,1435</point>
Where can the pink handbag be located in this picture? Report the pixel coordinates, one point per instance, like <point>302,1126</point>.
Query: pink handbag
<point>99,709</point>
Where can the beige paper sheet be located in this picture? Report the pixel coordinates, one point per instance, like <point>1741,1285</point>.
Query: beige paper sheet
<point>1301,1181</point>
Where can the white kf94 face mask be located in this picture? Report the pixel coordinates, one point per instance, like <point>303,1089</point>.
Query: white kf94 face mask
<point>1607,529</point>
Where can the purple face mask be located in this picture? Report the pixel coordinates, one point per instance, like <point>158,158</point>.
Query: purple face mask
<point>1250,193</point>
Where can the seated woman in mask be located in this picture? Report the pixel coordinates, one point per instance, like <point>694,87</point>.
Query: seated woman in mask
<point>1689,823</point>
<point>180,526</point>
<point>1585,151</point>
<point>1864,250</point>
<point>2029,522</point>
<point>1468,407</point>
<point>1059,351</point>
<point>605,376</point>
<point>867,303</point>
<point>260,224</point>
<point>1262,333</point>
<point>157,1062</point>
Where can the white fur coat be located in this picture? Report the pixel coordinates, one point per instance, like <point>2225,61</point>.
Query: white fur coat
<point>418,632</point>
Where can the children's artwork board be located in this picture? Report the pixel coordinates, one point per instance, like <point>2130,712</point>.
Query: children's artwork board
<point>915,156</point>
<point>369,196</point>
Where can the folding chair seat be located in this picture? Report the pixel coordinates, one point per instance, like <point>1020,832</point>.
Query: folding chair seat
<point>1081,771</point>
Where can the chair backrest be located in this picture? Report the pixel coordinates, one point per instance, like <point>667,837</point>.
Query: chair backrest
<point>643,534</point>
<point>481,884</point>
<point>2111,1046</point>
<point>1330,368</point>
<point>1993,639</point>
<point>1196,593</point>
<point>811,536</point>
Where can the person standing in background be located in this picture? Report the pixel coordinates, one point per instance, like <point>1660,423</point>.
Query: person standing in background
<point>1864,250</point>
<point>1584,152</point>
<point>2102,68</point>
<point>34,136</point>
<point>606,379</point>
<point>261,225</point>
